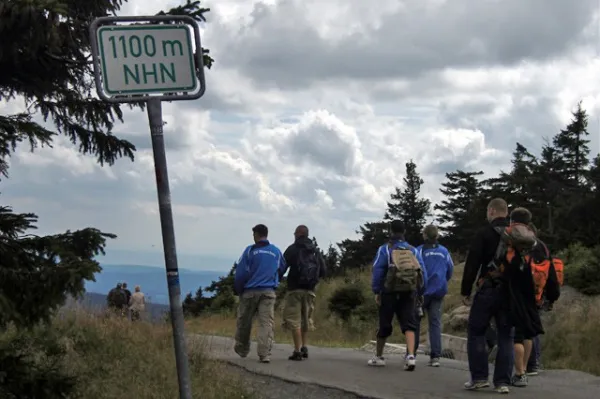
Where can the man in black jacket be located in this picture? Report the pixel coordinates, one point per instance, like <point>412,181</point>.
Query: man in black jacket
<point>307,267</point>
<point>490,301</point>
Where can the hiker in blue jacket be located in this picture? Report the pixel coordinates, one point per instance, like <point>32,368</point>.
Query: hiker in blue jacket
<point>255,281</point>
<point>439,268</point>
<point>396,300</point>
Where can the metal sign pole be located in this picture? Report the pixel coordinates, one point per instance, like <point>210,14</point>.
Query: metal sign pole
<point>168,236</point>
<point>163,66</point>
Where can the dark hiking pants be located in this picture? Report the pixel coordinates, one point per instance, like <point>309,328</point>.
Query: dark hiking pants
<point>490,302</point>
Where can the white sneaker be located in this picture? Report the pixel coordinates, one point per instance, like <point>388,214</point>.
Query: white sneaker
<point>378,361</point>
<point>410,363</point>
<point>435,362</point>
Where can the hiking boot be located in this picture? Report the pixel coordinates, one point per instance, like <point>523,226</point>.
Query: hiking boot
<point>501,389</point>
<point>264,359</point>
<point>296,356</point>
<point>475,385</point>
<point>304,351</point>
<point>378,361</point>
<point>520,381</point>
<point>434,362</point>
<point>410,363</point>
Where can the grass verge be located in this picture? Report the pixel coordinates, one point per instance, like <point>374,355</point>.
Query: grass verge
<point>112,358</point>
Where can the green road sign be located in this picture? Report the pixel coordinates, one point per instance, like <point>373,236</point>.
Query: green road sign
<point>146,59</point>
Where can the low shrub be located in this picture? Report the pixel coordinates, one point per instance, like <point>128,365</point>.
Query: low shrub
<point>346,300</point>
<point>582,268</point>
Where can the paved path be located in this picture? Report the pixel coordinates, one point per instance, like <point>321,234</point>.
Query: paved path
<point>346,369</point>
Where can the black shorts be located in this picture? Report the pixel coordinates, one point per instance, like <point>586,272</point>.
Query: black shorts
<point>403,306</point>
<point>520,336</point>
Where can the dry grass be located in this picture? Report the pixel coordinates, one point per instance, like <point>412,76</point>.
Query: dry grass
<point>113,359</point>
<point>571,339</point>
<point>329,331</point>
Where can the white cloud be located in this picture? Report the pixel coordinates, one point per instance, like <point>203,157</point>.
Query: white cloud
<point>313,123</point>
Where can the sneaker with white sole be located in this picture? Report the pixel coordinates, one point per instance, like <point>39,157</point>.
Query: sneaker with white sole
<point>502,389</point>
<point>377,361</point>
<point>434,362</point>
<point>475,385</point>
<point>520,381</point>
<point>410,363</point>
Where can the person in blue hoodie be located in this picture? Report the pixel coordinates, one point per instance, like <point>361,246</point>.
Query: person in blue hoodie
<point>439,267</point>
<point>255,281</point>
<point>397,299</point>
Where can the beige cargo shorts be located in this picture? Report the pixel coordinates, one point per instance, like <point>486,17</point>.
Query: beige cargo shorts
<point>298,310</point>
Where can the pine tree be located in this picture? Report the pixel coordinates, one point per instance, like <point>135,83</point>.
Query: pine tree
<point>332,259</point>
<point>563,183</point>
<point>359,253</point>
<point>459,214</point>
<point>520,179</point>
<point>573,150</point>
<point>45,62</point>
<point>407,205</point>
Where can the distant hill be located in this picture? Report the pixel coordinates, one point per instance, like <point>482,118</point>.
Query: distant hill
<point>97,302</point>
<point>151,279</point>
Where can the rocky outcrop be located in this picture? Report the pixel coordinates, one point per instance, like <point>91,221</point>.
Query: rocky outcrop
<point>457,319</point>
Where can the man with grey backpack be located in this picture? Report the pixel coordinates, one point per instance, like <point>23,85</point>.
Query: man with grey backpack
<point>398,275</point>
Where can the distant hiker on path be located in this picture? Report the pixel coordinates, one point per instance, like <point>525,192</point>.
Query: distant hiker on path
<point>439,268</point>
<point>116,300</point>
<point>490,301</point>
<point>137,303</point>
<point>127,297</point>
<point>398,274</point>
<point>307,267</point>
<point>256,279</point>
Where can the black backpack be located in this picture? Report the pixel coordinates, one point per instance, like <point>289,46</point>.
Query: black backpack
<point>308,268</point>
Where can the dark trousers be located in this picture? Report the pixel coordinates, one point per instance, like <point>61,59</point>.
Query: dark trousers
<point>402,305</point>
<point>490,302</point>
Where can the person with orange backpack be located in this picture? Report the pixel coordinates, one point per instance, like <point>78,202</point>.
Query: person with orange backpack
<point>547,278</point>
<point>522,249</point>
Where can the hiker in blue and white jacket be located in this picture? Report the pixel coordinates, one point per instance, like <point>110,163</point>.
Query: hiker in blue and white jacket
<point>439,267</point>
<point>255,281</point>
<point>402,304</point>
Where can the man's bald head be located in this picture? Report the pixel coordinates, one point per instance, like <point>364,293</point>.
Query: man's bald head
<point>497,208</point>
<point>301,231</point>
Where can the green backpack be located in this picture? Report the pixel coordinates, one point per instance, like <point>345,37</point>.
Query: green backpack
<point>404,271</point>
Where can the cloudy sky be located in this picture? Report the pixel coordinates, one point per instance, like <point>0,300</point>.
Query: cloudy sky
<point>313,107</point>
